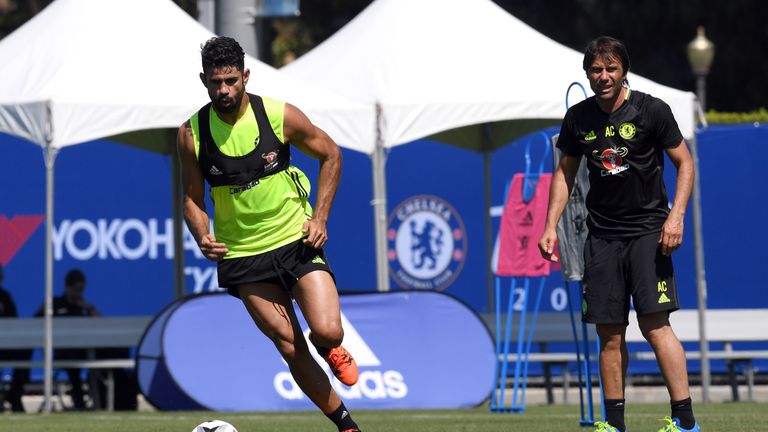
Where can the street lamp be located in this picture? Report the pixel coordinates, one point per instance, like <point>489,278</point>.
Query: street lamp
<point>701,51</point>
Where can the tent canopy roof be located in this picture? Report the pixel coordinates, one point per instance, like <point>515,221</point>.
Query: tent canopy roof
<point>88,69</point>
<point>435,65</point>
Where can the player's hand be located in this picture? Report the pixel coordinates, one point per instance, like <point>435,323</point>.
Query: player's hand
<point>317,234</point>
<point>671,234</point>
<point>547,245</point>
<point>212,249</point>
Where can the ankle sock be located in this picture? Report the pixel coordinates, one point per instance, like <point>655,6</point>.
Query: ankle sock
<point>614,413</point>
<point>683,411</point>
<point>342,419</point>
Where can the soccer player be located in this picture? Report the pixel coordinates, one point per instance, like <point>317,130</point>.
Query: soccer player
<point>268,241</point>
<point>623,134</point>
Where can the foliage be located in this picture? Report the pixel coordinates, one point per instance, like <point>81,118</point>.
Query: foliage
<point>757,116</point>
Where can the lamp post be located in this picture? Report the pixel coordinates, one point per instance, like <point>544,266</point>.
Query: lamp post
<point>701,51</point>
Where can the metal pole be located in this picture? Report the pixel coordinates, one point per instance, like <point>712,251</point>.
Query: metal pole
<point>50,157</point>
<point>701,278</point>
<point>179,288</point>
<point>486,149</point>
<point>701,90</point>
<point>380,204</point>
<point>236,19</point>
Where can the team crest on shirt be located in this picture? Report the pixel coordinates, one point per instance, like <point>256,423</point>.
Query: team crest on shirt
<point>271,159</point>
<point>612,160</point>
<point>427,243</point>
<point>627,130</point>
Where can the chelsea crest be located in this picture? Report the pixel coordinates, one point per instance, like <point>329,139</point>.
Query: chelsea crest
<point>427,243</point>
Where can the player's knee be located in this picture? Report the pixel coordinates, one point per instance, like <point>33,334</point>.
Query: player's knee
<point>328,335</point>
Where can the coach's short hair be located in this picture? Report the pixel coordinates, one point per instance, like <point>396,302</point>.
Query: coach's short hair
<point>604,47</point>
<point>222,51</point>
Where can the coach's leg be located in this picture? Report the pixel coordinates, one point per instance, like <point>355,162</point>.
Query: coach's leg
<point>614,359</point>
<point>669,352</point>
<point>272,311</point>
<point>318,299</point>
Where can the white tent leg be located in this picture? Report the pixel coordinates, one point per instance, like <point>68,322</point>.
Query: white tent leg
<point>50,158</point>
<point>380,204</point>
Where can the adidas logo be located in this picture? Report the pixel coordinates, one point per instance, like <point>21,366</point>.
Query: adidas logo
<point>318,260</point>
<point>215,171</point>
<point>664,299</point>
<point>591,136</point>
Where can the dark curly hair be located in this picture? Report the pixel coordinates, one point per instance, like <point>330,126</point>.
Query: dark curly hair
<point>222,51</point>
<point>604,47</point>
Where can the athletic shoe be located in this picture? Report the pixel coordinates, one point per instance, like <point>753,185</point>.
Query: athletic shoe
<point>342,364</point>
<point>351,430</point>
<point>673,425</point>
<point>604,427</point>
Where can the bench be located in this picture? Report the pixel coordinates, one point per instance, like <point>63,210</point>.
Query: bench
<point>90,333</point>
<point>726,326</point>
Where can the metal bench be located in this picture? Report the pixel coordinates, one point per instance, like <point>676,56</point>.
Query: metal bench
<point>89,333</point>
<point>723,325</point>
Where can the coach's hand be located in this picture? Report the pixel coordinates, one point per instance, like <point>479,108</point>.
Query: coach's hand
<point>317,234</point>
<point>547,245</point>
<point>212,249</point>
<point>671,234</point>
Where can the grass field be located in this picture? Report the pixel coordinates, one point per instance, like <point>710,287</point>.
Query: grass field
<point>713,418</point>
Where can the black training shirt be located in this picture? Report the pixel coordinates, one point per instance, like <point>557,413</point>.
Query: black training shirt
<point>625,158</point>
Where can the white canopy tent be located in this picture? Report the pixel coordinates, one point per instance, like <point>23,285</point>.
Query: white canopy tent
<point>433,65</point>
<point>87,69</point>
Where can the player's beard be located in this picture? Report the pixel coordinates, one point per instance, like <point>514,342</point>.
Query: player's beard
<point>228,104</point>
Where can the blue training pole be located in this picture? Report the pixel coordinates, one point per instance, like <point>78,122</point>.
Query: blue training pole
<point>582,420</point>
<point>534,317</point>
<point>520,342</point>
<point>497,388</point>
<point>507,332</point>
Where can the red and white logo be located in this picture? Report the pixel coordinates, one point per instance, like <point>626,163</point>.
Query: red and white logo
<point>15,232</point>
<point>612,159</point>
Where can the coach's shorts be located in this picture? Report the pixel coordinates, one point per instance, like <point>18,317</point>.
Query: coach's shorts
<point>283,266</point>
<point>616,269</point>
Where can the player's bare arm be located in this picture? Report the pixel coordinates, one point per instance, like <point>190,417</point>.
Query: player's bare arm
<point>193,185</point>
<point>559,191</point>
<point>672,232</point>
<point>313,141</point>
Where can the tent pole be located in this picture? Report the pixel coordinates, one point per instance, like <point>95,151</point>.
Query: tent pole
<point>701,278</point>
<point>179,288</point>
<point>50,158</point>
<point>486,149</point>
<point>380,204</point>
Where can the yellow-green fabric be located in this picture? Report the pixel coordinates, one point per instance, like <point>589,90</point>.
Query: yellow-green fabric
<point>267,215</point>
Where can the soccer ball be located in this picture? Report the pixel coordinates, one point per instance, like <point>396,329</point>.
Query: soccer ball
<point>214,426</point>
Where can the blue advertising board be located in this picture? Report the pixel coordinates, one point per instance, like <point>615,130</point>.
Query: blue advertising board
<point>185,362</point>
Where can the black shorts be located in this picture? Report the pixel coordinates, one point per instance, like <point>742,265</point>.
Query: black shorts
<point>616,269</point>
<point>283,266</point>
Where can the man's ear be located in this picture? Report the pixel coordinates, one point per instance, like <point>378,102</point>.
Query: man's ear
<point>246,75</point>
<point>202,78</point>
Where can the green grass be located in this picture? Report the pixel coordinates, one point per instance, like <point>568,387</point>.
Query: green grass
<point>713,418</point>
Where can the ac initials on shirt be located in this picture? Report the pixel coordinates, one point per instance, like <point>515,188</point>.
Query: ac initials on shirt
<point>610,131</point>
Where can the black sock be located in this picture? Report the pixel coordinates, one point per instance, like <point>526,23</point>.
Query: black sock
<point>342,418</point>
<point>683,411</point>
<point>320,350</point>
<point>614,413</point>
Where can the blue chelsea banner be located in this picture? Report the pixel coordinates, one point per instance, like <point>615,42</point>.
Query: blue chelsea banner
<point>427,243</point>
